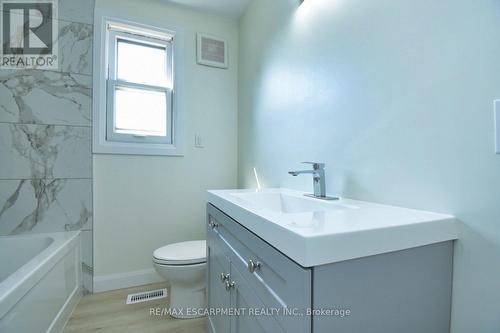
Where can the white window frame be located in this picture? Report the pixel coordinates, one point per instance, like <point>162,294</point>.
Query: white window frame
<point>112,135</point>
<point>113,82</point>
<point>105,139</point>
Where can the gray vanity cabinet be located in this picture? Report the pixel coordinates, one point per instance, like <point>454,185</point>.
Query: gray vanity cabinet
<point>263,288</point>
<point>403,291</point>
<point>217,295</point>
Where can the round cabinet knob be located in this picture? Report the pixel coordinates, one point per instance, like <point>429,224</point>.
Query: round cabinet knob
<point>230,285</point>
<point>224,277</point>
<point>253,266</point>
<point>213,224</point>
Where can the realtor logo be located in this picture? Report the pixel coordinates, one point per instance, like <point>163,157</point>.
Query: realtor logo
<point>29,34</point>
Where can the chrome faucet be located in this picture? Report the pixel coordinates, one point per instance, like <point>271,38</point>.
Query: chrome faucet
<point>318,172</point>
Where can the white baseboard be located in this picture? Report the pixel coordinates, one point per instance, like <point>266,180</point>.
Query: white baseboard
<point>125,280</point>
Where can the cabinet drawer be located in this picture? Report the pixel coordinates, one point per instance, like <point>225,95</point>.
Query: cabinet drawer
<point>278,281</point>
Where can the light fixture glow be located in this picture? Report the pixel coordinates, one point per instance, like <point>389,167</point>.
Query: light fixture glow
<point>256,178</point>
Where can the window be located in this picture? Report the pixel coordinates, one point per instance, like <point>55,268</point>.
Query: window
<point>135,97</point>
<point>139,89</point>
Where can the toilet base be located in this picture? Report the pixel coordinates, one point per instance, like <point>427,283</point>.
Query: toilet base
<point>187,288</point>
<point>187,303</point>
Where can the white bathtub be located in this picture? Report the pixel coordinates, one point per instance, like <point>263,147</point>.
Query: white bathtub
<point>40,281</point>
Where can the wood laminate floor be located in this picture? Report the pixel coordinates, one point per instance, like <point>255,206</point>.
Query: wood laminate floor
<point>107,313</point>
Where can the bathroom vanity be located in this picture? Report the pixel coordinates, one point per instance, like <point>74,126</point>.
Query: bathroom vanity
<point>281,262</point>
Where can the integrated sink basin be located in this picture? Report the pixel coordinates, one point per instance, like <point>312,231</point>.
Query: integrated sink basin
<point>288,203</point>
<point>315,232</point>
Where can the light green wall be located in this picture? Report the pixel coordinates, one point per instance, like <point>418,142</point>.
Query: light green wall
<point>396,98</point>
<point>144,202</point>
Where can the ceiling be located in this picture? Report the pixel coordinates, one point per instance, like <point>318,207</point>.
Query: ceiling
<point>228,8</point>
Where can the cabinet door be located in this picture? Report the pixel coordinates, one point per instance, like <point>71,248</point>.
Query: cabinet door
<point>278,282</point>
<point>244,300</point>
<point>217,295</point>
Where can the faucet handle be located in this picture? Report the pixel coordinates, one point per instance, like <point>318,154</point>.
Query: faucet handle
<point>316,165</point>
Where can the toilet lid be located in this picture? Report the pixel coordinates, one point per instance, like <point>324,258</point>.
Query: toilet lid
<point>183,253</point>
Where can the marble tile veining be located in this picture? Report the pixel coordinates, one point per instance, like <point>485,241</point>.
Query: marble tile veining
<point>44,151</point>
<point>37,206</point>
<point>75,47</point>
<point>45,97</point>
<point>45,138</point>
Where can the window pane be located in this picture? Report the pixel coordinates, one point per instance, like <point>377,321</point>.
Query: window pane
<point>142,63</point>
<point>140,112</point>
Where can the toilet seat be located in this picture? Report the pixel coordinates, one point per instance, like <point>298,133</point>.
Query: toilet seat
<point>183,253</point>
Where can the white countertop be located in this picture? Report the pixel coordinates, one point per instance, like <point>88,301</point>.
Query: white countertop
<point>335,230</point>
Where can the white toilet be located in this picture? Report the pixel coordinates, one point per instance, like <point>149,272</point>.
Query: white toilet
<point>184,266</point>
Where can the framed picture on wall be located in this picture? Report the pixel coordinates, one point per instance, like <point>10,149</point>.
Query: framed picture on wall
<point>211,51</point>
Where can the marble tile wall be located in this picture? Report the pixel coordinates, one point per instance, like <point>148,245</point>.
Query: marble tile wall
<point>45,139</point>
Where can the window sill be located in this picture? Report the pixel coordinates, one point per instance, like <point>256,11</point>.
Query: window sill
<point>127,148</point>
